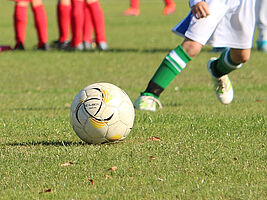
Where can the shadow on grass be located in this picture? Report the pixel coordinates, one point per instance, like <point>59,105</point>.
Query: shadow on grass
<point>173,104</point>
<point>39,109</point>
<point>47,143</point>
<point>113,50</point>
<point>127,50</point>
<point>55,143</point>
<point>154,50</point>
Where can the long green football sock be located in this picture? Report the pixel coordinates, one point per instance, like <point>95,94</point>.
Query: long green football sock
<point>224,65</point>
<point>171,66</point>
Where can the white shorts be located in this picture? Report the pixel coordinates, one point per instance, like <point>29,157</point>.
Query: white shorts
<point>230,24</point>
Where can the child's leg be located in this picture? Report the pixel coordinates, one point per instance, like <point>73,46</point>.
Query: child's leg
<point>98,20</point>
<point>171,66</point>
<point>20,22</point>
<point>40,20</point>
<point>77,22</point>
<point>230,60</point>
<point>134,4</point>
<point>169,2</point>
<point>169,8</point>
<point>134,9</point>
<point>261,22</point>
<point>88,27</point>
<point>64,19</point>
<point>240,55</point>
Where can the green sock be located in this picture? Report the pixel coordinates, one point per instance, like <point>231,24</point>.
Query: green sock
<point>224,65</point>
<point>171,66</point>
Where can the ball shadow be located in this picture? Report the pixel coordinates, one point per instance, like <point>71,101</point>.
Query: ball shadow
<point>47,143</point>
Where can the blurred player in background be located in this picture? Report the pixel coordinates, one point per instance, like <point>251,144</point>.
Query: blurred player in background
<point>87,15</point>
<point>134,10</point>
<point>20,23</point>
<point>261,21</point>
<point>218,22</point>
<point>64,22</point>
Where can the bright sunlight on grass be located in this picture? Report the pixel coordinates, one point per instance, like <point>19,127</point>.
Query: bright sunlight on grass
<point>194,148</point>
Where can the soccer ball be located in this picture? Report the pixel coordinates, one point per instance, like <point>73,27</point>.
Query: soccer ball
<point>102,112</point>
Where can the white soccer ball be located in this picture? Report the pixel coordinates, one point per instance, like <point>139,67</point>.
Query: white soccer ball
<point>102,112</point>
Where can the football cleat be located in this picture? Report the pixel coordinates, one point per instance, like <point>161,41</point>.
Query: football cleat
<point>63,45</point>
<point>102,46</point>
<point>148,103</point>
<point>131,12</point>
<point>79,47</point>
<point>222,85</point>
<point>262,45</point>
<point>19,46</point>
<point>44,47</point>
<point>88,46</point>
<point>169,9</point>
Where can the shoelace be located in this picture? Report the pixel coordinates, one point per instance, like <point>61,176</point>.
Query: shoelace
<point>221,84</point>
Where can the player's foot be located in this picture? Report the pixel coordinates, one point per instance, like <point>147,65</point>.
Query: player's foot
<point>148,103</point>
<point>63,45</point>
<point>54,44</point>
<point>78,47</point>
<point>131,12</point>
<point>88,46</point>
<point>262,45</point>
<point>169,9</point>
<point>44,47</point>
<point>19,46</point>
<point>102,46</point>
<point>59,45</point>
<point>223,86</point>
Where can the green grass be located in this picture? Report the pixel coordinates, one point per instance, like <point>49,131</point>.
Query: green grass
<point>207,150</point>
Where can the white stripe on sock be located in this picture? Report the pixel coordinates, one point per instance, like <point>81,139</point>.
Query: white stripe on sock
<point>177,59</point>
<point>173,64</point>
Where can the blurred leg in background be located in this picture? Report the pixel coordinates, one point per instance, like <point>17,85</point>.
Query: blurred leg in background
<point>261,23</point>
<point>64,22</point>
<point>134,9</point>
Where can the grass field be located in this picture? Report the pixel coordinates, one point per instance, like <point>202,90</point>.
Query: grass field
<point>206,150</point>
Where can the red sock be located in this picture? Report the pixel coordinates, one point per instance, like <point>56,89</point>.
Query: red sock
<point>40,20</point>
<point>88,27</point>
<point>20,22</point>
<point>77,14</point>
<point>134,4</point>
<point>64,19</point>
<point>98,21</point>
<point>168,2</point>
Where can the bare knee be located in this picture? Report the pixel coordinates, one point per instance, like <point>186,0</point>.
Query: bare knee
<point>240,55</point>
<point>192,48</point>
<point>65,2</point>
<point>37,3</point>
<point>22,3</point>
<point>91,1</point>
